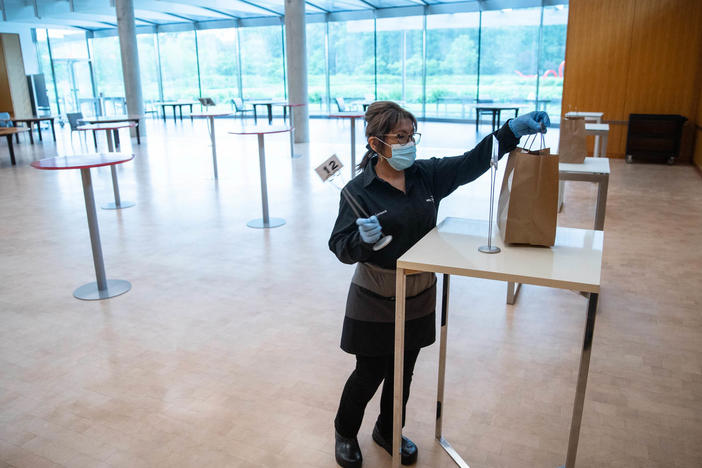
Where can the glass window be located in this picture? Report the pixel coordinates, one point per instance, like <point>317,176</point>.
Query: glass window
<point>69,50</point>
<point>553,60</point>
<point>148,67</point>
<point>452,64</point>
<point>107,67</point>
<point>509,53</point>
<point>262,62</point>
<point>178,66</point>
<point>44,61</point>
<point>218,64</point>
<point>316,67</point>
<point>351,61</point>
<point>400,61</point>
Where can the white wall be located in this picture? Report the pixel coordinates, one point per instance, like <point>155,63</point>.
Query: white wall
<point>29,53</point>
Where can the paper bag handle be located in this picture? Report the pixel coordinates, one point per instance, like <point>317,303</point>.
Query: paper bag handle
<point>543,142</point>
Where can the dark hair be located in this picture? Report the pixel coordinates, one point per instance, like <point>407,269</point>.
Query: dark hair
<point>381,118</point>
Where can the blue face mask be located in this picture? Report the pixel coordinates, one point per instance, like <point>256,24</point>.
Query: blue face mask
<point>403,156</point>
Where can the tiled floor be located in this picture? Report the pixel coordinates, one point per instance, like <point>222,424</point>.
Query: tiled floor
<point>225,352</point>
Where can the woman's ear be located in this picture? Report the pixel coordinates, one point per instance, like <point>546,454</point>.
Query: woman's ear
<point>375,144</point>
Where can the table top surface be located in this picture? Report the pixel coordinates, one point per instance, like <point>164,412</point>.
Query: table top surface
<point>33,119</point>
<point>106,126</point>
<point>347,115</point>
<point>596,127</point>
<point>177,103</point>
<point>590,165</point>
<point>12,130</point>
<point>498,107</point>
<point>82,161</point>
<point>300,104</point>
<point>112,118</point>
<point>584,114</point>
<point>266,102</point>
<point>260,129</point>
<point>574,262</point>
<point>212,114</point>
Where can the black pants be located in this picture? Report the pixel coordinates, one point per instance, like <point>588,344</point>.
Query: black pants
<point>361,386</point>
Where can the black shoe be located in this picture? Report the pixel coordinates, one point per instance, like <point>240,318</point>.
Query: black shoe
<point>409,449</point>
<point>347,451</point>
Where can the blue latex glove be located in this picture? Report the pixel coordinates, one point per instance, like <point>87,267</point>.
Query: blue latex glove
<point>369,229</point>
<point>528,124</point>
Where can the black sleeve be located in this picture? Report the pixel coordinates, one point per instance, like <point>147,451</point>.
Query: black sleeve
<point>345,240</point>
<point>452,172</point>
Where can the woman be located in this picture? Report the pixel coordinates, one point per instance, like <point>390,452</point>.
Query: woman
<point>403,196</point>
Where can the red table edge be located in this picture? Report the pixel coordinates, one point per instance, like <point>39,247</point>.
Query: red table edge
<point>35,164</point>
<point>243,132</point>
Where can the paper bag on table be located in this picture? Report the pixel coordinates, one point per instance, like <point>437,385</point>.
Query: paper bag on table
<point>571,145</point>
<point>528,203</point>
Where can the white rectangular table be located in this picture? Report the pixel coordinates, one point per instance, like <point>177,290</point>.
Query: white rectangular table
<point>598,130</point>
<point>595,117</point>
<point>451,248</point>
<point>592,170</point>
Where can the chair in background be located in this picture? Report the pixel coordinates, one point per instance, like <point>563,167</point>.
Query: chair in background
<point>239,108</point>
<point>341,105</point>
<point>74,120</point>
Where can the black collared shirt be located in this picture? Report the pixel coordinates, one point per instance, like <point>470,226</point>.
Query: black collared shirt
<point>410,215</point>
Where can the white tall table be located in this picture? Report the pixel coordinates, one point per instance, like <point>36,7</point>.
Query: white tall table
<point>592,170</point>
<point>452,249</point>
<point>112,133</point>
<point>589,117</point>
<point>352,116</point>
<point>599,130</point>
<point>211,128</point>
<point>260,130</point>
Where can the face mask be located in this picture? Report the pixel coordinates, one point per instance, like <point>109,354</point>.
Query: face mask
<point>403,156</point>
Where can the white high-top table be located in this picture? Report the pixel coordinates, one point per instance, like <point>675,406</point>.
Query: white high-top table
<point>598,130</point>
<point>592,170</point>
<point>590,117</point>
<point>451,248</point>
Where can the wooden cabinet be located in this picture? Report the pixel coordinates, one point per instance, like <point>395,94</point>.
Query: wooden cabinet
<point>654,137</point>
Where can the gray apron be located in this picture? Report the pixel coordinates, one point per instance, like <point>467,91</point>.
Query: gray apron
<point>372,294</point>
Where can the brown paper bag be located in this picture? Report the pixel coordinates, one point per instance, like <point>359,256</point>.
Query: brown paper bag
<point>528,203</point>
<point>571,146</point>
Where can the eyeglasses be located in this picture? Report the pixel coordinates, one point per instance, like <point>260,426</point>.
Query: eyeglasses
<point>403,138</point>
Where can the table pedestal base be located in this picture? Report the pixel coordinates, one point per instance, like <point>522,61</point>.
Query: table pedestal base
<point>115,206</point>
<point>90,291</point>
<point>260,223</point>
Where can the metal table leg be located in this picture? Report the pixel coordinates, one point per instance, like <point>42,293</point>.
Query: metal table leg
<point>601,207</point>
<point>53,129</point>
<point>102,288</point>
<point>582,382</point>
<point>442,374</point>
<point>11,149</point>
<point>31,133</point>
<point>266,221</point>
<point>118,203</point>
<point>512,292</point>
<point>39,130</point>
<point>401,282</point>
<point>353,146</point>
<point>211,128</point>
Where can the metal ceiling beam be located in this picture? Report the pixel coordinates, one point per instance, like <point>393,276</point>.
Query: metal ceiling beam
<point>318,7</point>
<point>260,7</point>
<point>368,4</point>
<point>229,15</point>
<point>179,16</point>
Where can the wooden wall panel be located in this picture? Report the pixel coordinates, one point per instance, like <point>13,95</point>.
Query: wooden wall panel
<point>634,56</point>
<point>5,96</point>
<point>17,78</point>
